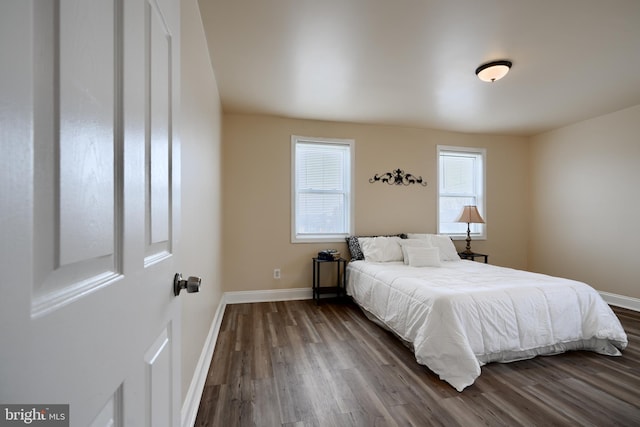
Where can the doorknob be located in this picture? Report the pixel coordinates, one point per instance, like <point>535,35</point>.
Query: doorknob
<point>192,284</point>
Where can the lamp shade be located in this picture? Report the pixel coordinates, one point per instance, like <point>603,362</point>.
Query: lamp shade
<point>493,71</point>
<point>470,215</point>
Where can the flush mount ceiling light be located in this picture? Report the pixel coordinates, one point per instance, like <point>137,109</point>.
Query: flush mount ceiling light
<point>492,71</point>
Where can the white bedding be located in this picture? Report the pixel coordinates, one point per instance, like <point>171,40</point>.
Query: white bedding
<point>465,314</point>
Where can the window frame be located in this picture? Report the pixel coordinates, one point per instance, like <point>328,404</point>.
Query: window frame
<point>349,198</point>
<point>480,194</point>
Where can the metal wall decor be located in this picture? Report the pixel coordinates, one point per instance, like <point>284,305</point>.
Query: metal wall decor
<point>398,177</point>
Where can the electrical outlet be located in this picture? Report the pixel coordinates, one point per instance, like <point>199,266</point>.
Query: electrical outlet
<point>276,273</point>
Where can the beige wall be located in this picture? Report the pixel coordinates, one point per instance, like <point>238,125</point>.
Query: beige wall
<point>257,194</point>
<point>585,198</point>
<point>200,130</point>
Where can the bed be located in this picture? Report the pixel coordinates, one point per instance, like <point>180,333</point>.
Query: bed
<point>458,315</point>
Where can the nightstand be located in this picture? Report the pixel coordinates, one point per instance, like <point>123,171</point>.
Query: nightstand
<point>473,256</point>
<point>340,288</point>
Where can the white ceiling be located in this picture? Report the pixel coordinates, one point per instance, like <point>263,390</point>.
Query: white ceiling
<point>412,62</point>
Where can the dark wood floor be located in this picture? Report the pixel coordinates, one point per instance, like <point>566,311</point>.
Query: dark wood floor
<point>297,364</point>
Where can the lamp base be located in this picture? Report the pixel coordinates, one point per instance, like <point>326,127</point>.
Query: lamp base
<point>467,250</point>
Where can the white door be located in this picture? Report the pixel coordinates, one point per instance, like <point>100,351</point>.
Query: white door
<point>89,194</point>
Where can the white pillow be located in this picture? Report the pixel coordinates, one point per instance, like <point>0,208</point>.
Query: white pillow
<point>418,236</point>
<point>423,257</point>
<point>448,251</point>
<point>380,249</point>
<point>406,243</point>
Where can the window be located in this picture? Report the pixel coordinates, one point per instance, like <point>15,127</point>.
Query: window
<point>461,181</point>
<point>322,195</point>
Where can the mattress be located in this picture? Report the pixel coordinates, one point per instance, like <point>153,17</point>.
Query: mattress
<point>464,314</point>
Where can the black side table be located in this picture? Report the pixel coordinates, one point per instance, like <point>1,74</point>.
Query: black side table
<point>340,288</point>
<point>473,256</point>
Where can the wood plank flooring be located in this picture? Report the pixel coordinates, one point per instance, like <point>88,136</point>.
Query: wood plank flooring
<point>297,364</point>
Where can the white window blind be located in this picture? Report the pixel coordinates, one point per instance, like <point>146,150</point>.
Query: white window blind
<point>461,180</point>
<point>322,197</point>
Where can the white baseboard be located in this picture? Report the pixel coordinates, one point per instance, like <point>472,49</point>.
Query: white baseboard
<point>621,301</point>
<point>194,394</point>
<point>268,296</point>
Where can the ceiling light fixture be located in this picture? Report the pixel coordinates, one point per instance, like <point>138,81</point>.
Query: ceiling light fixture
<point>492,71</point>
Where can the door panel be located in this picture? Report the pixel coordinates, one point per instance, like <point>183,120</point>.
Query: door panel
<point>159,387</point>
<point>89,181</point>
<point>88,63</point>
<point>76,135</point>
<point>158,53</point>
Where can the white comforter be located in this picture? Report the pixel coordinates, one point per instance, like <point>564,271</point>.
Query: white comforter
<point>465,314</point>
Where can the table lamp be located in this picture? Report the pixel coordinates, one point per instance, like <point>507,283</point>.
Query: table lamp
<point>469,215</point>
